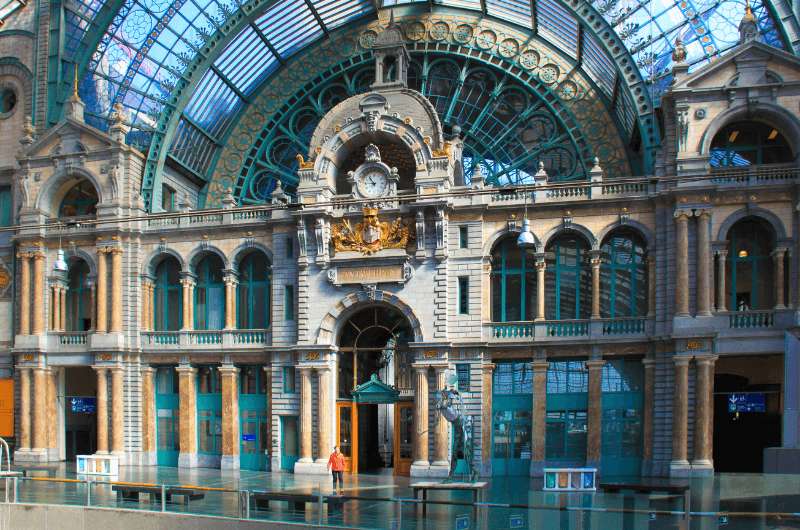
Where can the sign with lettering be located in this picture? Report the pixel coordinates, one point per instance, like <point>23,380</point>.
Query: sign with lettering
<point>371,274</point>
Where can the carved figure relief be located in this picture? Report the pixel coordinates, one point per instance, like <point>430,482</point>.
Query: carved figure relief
<point>371,234</point>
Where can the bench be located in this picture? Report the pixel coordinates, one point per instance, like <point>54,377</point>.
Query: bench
<point>261,500</point>
<point>681,490</point>
<point>475,487</point>
<point>130,492</point>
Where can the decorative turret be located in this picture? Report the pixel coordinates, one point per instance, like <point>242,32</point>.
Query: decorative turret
<point>748,27</point>
<point>391,57</point>
<point>679,66</point>
<point>73,107</point>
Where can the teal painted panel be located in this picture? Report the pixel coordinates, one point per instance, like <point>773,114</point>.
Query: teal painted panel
<point>253,432</point>
<point>290,442</point>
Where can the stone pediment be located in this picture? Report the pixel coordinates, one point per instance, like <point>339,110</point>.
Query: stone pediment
<point>69,138</point>
<point>754,63</point>
<point>375,391</point>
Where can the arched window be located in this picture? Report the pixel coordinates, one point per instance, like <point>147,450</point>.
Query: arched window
<point>749,268</point>
<point>79,297</point>
<point>623,276</point>
<point>80,201</point>
<point>747,143</point>
<point>253,292</point>
<point>168,302</point>
<point>568,278</point>
<point>513,282</point>
<point>209,294</point>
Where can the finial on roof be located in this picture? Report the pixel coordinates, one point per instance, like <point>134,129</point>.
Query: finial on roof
<point>679,51</point>
<point>748,27</point>
<point>748,11</point>
<point>75,82</point>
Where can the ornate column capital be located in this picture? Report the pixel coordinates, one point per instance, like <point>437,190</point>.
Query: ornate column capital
<point>595,364</point>
<point>540,365</point>
<point>228,370</point>
<point>147,369</point>
<point>100,368</point>
<point>648,362</point>
<point>488,367</point>
<point>682,360</point>
<point>704,359</point>
<point>682,214</point>
<point>779,252</point>
<point>702,213</point>
<point>186,369</point>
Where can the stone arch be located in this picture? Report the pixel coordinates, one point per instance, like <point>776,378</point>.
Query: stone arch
<point>644,232</point>
<point>573,227</point>
<point>331,322</point>
<point>80,254</point>
<point>197,254</point>
<point>244,249</point>
<point>13,67</point>
<point>59,185</point>
<point>493,240</point>
<point>767,113</point>
<point>157,256</point>
<point>773,220</point>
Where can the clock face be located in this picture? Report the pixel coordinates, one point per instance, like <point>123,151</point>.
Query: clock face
<point>374,184</point>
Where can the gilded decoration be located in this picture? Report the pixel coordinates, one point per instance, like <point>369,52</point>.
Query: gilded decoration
<point>371,234</point>
<point>5,278</point>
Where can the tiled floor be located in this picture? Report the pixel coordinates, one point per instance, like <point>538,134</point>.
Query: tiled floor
<point>382,501</point>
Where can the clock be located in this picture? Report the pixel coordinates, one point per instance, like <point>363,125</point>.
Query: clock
<point>373,184</point>
<point>373,179</point>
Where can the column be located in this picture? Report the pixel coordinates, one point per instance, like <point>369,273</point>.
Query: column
<point>62,306</point>
<point>148,414</point>
<point>595,285</point>
<point>681,263</point>
<point>680,414</point>
<point>102,410</point>
<point>487,370</point>
<point>40,409</point>
<point>52,413</point>
<point>647,414</point>
<point>116,290</point>
<point>324,445</point>
<point>594,415</point>
<point>101,292</point>
<point>703,263</point>
<point>440,448</point>
<point>55,300</point>
<point>188,303</point>
<point>147,299</point>
<point>230,300</point>
<point>268,384</point>
<point>539,418</point>
<point>541,264</point>
<point>651,284</point>
<point>117,411</point>
<point>24,440</point>
<point>229,376</point>
<point>305,414</point>
<point>25,294</point>
<point>93,302</point>
<point>778,260</point>
<point>704,412</point>
<point>421,416</point>
<point>37,327</point>
<point>722,257</point>
<point>187,416</point>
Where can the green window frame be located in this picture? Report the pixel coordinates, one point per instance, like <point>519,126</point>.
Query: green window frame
<point>749,143</point>
<point>289,380</point>
<point>288,302</point>
<point>463,295</point>
<point>513,280</point>
<point>5,206</point>
<point>253,292</point>
<point>623,277</point>
<point>463,236</point>
<point>167,198</point>
<point>252,380</point>
<point>622,402</point>
<point>567,406</point>
<point>289,247</point>
<point>167,296</point>
<point>463,377</point>
<point>80,201</point>
<point>209,294</point>
<point>568,279</point>
<point>209,410</point>
<point>79,304</point>
<point>749,264</point>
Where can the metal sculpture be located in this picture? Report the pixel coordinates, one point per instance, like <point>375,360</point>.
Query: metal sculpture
<point>451,405</point>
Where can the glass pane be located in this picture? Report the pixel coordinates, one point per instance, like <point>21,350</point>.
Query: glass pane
<point>346,431</point>
<point>513,299</point>
<point>290,445</point>
<point>249,436</point>
<point>406,431</point>
<point>522,434</point>
<point>502,434</point>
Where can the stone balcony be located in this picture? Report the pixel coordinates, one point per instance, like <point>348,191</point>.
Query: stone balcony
<point>211,340</point>
<point>567,330</point>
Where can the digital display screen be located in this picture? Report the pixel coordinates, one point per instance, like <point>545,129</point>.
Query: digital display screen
<point>747,402</point>
<point>82,404</point>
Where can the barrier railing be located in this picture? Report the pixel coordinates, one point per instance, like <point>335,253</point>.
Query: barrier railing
<point>751,319</point>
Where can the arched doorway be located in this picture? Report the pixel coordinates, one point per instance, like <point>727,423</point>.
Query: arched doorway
<point>374,408</point>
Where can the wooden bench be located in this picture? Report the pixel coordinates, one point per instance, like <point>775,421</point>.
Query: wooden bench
<point>644,487</point>
<point>130,492</point>
<point>475,487</point>
<point>297,500</point>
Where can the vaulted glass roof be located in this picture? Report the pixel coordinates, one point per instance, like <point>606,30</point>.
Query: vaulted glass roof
<point>146,51</point>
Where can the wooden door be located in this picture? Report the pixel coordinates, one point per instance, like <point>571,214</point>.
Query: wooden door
<point>403,437</point>
<point>347,434</point>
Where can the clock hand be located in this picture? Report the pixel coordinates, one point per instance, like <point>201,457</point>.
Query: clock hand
<point>371,180</point>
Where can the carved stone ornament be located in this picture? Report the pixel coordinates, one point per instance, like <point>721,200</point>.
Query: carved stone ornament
<point>371,235</point>
<point>5,278</point>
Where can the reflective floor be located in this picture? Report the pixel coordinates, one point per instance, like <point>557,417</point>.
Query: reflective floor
<point>382,501</point>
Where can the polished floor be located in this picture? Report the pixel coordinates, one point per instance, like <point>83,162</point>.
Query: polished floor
<point>381,501</point>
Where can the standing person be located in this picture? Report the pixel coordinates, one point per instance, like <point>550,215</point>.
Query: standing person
<point>336,465</point>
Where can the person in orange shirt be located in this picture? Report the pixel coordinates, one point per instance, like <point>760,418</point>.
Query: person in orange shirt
<point>336,465</point>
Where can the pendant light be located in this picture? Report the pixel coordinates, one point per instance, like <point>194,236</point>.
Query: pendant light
<point>525,240</point>
<point>61,264</point>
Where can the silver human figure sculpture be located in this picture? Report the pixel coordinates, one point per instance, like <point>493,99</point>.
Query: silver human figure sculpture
<point>451,406</point>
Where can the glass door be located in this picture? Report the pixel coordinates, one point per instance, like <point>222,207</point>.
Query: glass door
<point>511,437</point>
<point>347,434</point>
<point>403,437</point>
<point>167,417</point>
<point>254,426</point>
<point>290,443</point>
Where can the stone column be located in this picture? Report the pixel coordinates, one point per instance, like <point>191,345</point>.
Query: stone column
<point>487,370</point>
<point>93,303</point>
<point>117,411</point>
<point>680,416</point>
<point>116,290</point>
<point>594,415</point>
<point>595,285</point>
<point>55,300</point>
<point>539,419</point>
<point>778,260</point>
<point>440,446</point>
<point>704,415</point>
<point>703,263</point>
<point>25,294</point>
<point>306,401</point>
<point>147,301</point>
<point>101,292</point>
<point>681,263</point>
<point>52,413</point>
<point>268,383</point>
<point>187,410</point>
<point>40,409</point>
<point>421,417</point>
<point>188,303</point>
<point>148,414</point>
<point>102,410</point>
<point>229,376</point>
<point>62,306</point>
<point>230,300</point>
<point>324,421</point>
<point>37,327</point>
<point>722,256</point>
<point>651,284</point>
<point>24,439</point>
<point>541,264</point>
<point>647,414</point>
